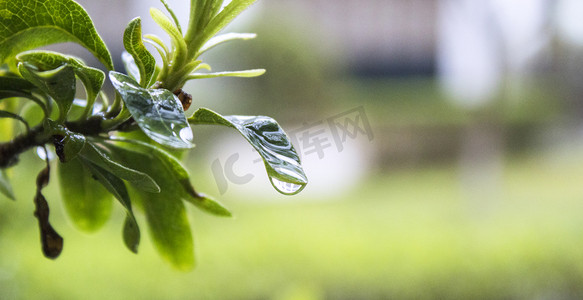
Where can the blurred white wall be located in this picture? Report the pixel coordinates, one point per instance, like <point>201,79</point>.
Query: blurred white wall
<point>480,43</point>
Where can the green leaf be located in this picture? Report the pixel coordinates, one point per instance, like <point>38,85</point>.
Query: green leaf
<point>7,125</point>
<point>246,73</point>
<point>70,146</point>
<point>180,48</point>
<point>48,60</point>
<point>9,115</point>
<point>165,212</point>
<point>130,66</point>
<point>44,105</point>
<point>217,23</point>
<point>17,84</point>
<point>223,38</point>
<point>169,229</point>
<point>17,87</point>
<point>32,113</point>
<point>266,136</point>
<point>209,10</point>
<point>5,186</point>
<point>155,41</point>
<point>201,12</point>
<point>158,112</point>
<point>179,175</point>
<point>155,76</point>
<point>173,15</point>
<point>131,231</point>
<point>215,7</point>
<point>132,41</point>
<point>86,201</point>
<point>99,157</point>
<point>29,24</point>
<point>58,83</point>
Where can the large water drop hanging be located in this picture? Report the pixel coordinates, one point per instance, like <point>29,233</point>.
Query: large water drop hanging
<point>286,188</point>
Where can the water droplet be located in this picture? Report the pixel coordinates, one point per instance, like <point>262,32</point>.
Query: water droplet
<point>42,154</point>
<point>286,188</point>
<point>186,134</point>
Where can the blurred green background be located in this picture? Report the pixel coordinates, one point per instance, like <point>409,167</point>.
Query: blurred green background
<point>466,185</point>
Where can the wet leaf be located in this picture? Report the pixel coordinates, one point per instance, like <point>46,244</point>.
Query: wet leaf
<point>58,83</point>
<point>29,24</point>
<point>266,136</point>
<point>131,231</point>
<point>86,201</point>
<point>104,160</point>
<point>158,112</point>
<point>5,186</point>
<point>134,45</point>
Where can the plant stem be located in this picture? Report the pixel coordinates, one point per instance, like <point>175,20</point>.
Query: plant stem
<point>43,134</point>
<point>9,151</point>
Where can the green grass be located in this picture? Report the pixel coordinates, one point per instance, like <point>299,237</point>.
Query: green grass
<point>413,234</point>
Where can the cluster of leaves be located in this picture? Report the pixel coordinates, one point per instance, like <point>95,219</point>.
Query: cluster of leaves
<point>128,148</point>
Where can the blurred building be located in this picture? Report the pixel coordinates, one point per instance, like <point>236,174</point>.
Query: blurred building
<point>375,37</point>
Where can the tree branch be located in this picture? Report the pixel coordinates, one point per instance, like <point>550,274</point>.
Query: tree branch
<point>9,151</point>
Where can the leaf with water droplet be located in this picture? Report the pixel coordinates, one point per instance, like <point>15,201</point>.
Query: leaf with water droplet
<point>158,112</point>
<point>266,136</point>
